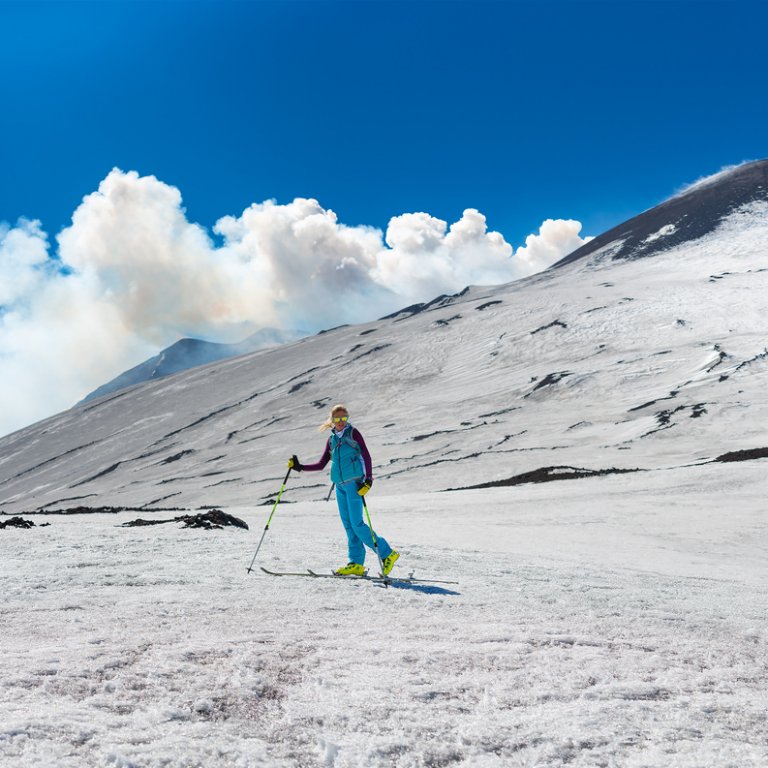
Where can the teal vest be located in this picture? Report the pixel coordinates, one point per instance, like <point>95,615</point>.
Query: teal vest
<point>346,464</point>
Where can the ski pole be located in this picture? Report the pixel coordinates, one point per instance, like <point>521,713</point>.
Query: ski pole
<point>373,536</point>
<point>266,528</point>
<point>328,497</point>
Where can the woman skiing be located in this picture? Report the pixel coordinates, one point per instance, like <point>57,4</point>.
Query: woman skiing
<point>352,474</point>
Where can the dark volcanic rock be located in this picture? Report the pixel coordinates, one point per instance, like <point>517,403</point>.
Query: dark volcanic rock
<point>553,324</point>
<point>746,455</point>
<point>687,216</point>
<point>488,304</point>
<point>101,510</point>
<point>547,475</point>
<point>16,522</point>
<point>414,309</point>
<point>549,380</point>
<point>214,519</point>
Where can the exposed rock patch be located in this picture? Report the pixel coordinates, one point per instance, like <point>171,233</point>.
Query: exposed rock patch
<point>553,324</point>
<point>488,304</point>
<point>372,351</point>
<point>415,309</point>
<point>16,522</point>
<point>546,475</point>
<point>102,510</point>
<point>447,320</point>
<point>215,519</point>
<point>177,456</point>
<point>746,455</point>
<point>550,380</point>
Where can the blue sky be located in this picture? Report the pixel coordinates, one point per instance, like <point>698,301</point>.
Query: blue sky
<point>524,110</point>
<point>437,139</point>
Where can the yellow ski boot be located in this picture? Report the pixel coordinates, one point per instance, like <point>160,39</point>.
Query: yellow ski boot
<point>351,569</point>
<point>389,561</point>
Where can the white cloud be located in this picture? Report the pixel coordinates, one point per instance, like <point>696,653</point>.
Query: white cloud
<point>132,275</point>
<point>422,260</point>
<point>161,273</point>
<point>556,239</point>
<point>312,272</point>
<point>23,257</point>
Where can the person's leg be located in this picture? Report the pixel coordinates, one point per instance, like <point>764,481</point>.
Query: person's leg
<point>355,548</point>
<point>359,526</point>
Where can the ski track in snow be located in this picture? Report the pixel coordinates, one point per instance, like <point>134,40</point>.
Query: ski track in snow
<point>614,622</point>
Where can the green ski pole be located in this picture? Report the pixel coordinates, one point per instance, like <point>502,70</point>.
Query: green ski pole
<point>266,528</point>
<point>373,536</point>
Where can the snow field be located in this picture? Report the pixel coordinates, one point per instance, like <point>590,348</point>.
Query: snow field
<point>614,622</point>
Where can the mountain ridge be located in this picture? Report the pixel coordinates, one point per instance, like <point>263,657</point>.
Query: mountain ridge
<point>189,353</point>
<point>692,213</point>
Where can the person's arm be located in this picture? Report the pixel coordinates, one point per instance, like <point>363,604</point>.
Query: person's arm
<point>364,453</point>
<point>324,459</point>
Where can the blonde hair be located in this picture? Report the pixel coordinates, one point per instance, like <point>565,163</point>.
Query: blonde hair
<point>328,423</point>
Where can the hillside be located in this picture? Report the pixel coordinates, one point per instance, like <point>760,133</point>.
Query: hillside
<point>190,353</point>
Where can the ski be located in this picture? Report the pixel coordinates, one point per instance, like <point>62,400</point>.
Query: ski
<point>314,575</point>
<point>385,580</point>
<point>366,577</point>
<point>390,579</point>
<point>287,573</point>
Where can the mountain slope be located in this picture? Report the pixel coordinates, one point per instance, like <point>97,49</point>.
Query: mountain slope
<point>690,215</point>
<point>190,353</point>
<point>598,364</point>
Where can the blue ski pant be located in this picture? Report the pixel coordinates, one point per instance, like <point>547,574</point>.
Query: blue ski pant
<point>358,533</point>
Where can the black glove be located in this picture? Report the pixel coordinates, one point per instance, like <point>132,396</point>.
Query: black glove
<point>294,463</point>
<point>365,487</point>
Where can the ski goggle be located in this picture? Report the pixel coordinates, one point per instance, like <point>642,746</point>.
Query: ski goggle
<point>337,419</point>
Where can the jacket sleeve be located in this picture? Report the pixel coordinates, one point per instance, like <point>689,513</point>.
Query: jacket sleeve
<point>364,453</point>
<point>324,459</point>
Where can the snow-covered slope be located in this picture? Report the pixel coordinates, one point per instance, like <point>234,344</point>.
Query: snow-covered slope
<point>615,622</point>
<point>596,364</point>
<point>189,353</point>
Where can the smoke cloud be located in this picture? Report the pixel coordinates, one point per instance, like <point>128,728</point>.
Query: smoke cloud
<point>132,275</point>
<point>555,240</point>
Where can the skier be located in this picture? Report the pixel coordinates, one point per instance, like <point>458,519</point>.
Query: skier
<point>352,474</point>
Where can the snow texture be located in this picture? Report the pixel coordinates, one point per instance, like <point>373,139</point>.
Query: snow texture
<point>612,621</point>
